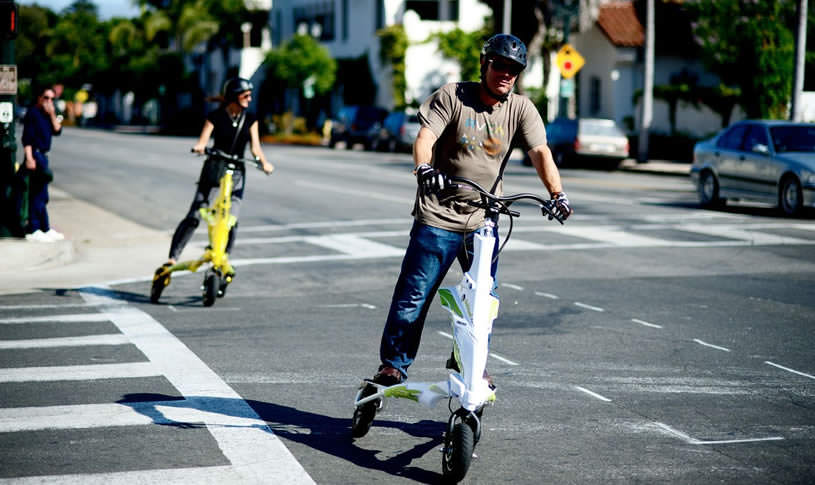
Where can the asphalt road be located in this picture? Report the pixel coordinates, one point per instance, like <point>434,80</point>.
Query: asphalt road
<point>646,341</point>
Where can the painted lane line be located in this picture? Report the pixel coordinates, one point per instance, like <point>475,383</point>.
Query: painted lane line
<point>693,441</point>
<point>352,192</point>
<point>503,359</point>
<point>78,372</point>
<point>788,369</point>
<point>40,343</point>
<point>514,287</point>
<point>349,305</point>
<point>492,354</point>
<point>547,295</point>
<point>642,322</point>
<point>252,448</point>
<point>325,224</point>
<point>353,245</point>
<point>592,394</point>
<point>169,476</point>
<point>44,306</point>
<point>81,317</point>
<point>589,307</point>
<point>700,342</point>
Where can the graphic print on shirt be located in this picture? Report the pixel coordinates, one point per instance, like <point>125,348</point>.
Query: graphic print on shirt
<point>482,136</point>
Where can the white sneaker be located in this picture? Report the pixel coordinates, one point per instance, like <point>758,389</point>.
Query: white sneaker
<point>38,236</point>
<point>54,235</point>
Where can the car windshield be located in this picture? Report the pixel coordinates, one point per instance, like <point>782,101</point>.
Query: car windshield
<point>793,138</point>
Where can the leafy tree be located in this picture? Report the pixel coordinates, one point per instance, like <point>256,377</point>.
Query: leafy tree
<point>393,48</point>
<point>300,58</point>
<point>750,44</point>
<point>465,48</point>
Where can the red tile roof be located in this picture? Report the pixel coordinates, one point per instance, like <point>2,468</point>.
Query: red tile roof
<point>618,20</point>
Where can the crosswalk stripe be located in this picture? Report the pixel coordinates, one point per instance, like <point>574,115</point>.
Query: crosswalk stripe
<point>39,343</point>
<point>172,476</point>
<point>80,317</point>
<point>78,372</point>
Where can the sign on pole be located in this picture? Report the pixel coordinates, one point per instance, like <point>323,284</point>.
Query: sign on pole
<point>569,61</point>
<point>8,79</point>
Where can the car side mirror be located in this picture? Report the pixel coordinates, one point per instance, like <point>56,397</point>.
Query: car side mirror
<point>761,148</point>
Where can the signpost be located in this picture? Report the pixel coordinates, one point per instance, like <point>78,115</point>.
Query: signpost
<point>9,221</point>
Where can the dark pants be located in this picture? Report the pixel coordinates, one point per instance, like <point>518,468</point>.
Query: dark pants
<point>38,197</point>
<point>428,257</point>
<point>203,195</point>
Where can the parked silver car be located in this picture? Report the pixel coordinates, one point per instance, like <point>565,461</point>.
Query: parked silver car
<point>770,161</point>
<point>594,142</point>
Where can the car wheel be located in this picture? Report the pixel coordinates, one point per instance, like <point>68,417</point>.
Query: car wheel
<point>709,190</point>
<point>790,197</point>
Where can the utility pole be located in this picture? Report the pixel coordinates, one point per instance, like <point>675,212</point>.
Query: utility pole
<point>9,219</point>
<point>648,89</point>
<point>796,108</point>
<point>566,9</point>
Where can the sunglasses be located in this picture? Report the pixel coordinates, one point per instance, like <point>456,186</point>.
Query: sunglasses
<point>506,67</point>
<point>47,97</point>
<point>245,95</point>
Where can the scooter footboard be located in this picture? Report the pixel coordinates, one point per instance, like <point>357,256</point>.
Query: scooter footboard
<point>422,392</point>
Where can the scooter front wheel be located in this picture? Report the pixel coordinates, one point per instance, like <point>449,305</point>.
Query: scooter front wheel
<point>459,443</point>
<point>210,290</point>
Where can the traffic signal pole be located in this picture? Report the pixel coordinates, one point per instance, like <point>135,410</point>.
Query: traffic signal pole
<point>9,219</point>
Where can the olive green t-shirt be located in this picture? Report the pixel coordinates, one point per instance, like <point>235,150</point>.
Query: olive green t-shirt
<point>472,141</point>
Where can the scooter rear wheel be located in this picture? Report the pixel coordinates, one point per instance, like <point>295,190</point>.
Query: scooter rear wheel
<point>364,415</point>
<point>211,285</point>
<point>458,452</point>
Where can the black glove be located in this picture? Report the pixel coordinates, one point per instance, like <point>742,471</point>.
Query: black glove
<point>562,207</point>
<point>430,180</point>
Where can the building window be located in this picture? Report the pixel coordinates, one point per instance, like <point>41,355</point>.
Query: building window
<point>344,19</point>
<point>379,21</point>
<point>316,20</point>
<point>594,95</point>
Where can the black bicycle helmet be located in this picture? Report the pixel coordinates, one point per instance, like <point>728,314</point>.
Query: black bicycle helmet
<point>505,45</point>
<point>235,86</point>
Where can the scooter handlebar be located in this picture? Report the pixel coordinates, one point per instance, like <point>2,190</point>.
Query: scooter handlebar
<point>503,202</point>
<point>228,157</point>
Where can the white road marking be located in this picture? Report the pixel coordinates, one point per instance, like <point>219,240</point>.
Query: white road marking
<point>693,441</point>
<point>788,369</point>
<point>592,394</point>
<point>642,322</point>
<point>44,306</point>
<point>107,339</point>
<point>589,307</point>
<point>514,287</point>
<point>349,305</point>
<point>492,354</point>
<point>355,192</point>
<point>169,476</point>
<point>78,372</point>
<point>547,295</point>
<point>700,342</point>
<point>324,224</point>
<point>356,246</point>
<point>254,451</point>
<point>80,317</point>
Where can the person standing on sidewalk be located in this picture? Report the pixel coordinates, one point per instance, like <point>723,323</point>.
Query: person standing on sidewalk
<point>41,122</point>
<point>467,131</point>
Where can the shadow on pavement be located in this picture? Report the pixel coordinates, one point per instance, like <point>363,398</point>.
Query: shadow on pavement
<point>324,433</point>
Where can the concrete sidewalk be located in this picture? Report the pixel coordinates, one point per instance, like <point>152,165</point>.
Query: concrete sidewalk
<point>102,247</point>
<point>99,247</point>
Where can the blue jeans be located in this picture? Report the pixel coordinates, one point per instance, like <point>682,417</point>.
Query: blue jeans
<point>428,257</point>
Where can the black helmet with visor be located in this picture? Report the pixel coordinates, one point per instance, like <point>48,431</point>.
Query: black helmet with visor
<point>234,87</point>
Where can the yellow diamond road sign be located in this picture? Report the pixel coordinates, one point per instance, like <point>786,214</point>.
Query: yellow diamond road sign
<point>569,61</point>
